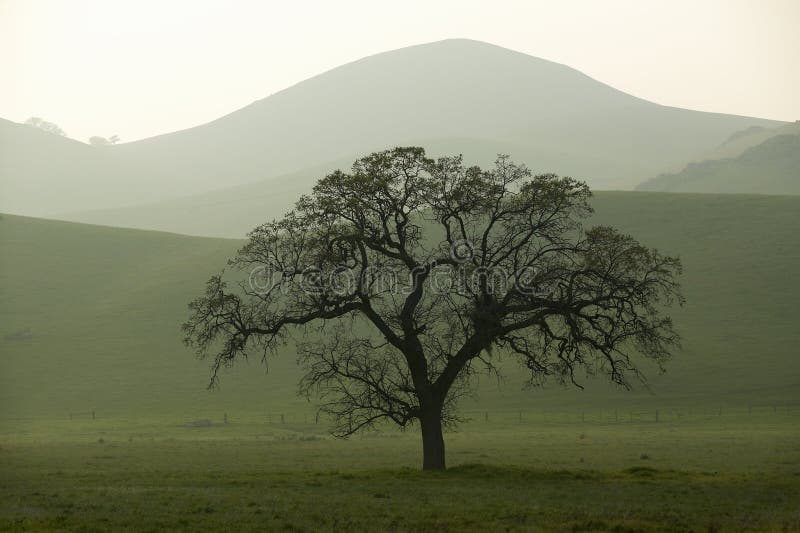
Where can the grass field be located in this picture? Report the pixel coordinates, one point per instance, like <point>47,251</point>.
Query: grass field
<point>102,309</point>
<point>702,472</point>
<point>89,321</point>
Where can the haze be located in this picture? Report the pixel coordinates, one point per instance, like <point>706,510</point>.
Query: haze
<point>143,68</point>
<point>444,266</point>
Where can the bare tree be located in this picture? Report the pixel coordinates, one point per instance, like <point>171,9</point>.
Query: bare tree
<point>401,279</point>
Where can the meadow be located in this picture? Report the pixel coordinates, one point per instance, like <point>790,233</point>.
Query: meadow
<point>698,472</point>
<point>106,423</point>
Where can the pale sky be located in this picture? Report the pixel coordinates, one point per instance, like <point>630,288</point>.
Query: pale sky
<point>144,67</point>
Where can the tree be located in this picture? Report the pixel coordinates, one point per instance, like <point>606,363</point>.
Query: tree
<point>402,279</point>
<point>49,127</point>
<point>102,141</point>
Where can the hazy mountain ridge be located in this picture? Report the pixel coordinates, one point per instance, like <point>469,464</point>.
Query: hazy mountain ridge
<point>234,211</point>
<point>737,143</point>
<point>552,116</point>
<point>771,167</point>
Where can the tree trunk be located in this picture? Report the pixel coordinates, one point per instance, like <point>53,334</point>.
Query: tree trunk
<point>432,439</point>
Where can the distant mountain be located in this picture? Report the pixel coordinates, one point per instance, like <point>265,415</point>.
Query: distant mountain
<point>234,211</point>
<point>772,167</point>
<point>740,141</point>
<point>229,213</point>
<point>468,96</point>
<point>40,171</point>
<point>737,143</point>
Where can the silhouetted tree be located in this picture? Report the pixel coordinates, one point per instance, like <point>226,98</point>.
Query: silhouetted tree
<point>102,141</point>
<point>405,276</point>
<point>44,125</point>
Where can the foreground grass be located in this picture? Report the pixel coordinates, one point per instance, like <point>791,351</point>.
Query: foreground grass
<point>713,474</point>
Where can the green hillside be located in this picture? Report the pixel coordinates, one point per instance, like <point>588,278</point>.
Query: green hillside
<point>465,96</point>
<point>771,167</point>
<point>90,315</point>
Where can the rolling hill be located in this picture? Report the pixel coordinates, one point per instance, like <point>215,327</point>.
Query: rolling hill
<point>454,95</point>
<point>100,331</point>
<point>737,143</point>
<point>772,167</point>
<point>740,141</point>
<point>228,213</point>
<point>40,171</point>
<point>232,212</point>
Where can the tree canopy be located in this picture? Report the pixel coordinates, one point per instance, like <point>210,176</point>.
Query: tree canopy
<point>97,140</point>
<point>44,125</point>
<point>401,279</point>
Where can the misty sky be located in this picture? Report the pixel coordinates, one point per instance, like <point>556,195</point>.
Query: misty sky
<point>144,67</point>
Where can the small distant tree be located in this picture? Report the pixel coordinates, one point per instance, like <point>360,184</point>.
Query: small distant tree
<point>49,127</point>
<point>102,141</point>
<point>405,277</point>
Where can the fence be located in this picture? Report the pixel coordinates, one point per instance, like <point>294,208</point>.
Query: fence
<point>472,417</point>
<point>627,415</point>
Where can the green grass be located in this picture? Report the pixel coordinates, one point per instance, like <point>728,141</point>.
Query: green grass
<point>104,305</point>
<point>730,472</point>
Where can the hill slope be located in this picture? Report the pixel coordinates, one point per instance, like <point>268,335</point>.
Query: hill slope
<point>228,213</point>
<point>772,167</point>
<point>232,212</point>
<point>103,334</point>
<point>737,143</point>
<point>740,141</point>
<point>549,115</point>
<point>444,90</point>
<point>40,171</point>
